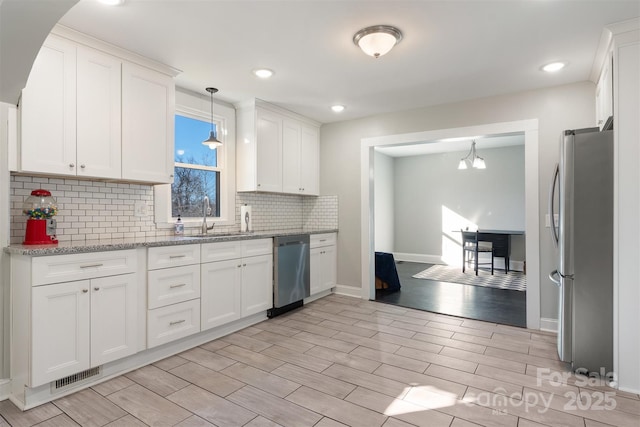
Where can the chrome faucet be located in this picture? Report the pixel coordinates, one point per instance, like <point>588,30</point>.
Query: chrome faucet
<point>207,210</point>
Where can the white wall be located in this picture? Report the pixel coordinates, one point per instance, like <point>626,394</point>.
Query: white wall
<point>433,198</point>
<point>558,108</point>
<point>384,203</point>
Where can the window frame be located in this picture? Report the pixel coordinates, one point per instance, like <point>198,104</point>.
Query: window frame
<point>225,125</point>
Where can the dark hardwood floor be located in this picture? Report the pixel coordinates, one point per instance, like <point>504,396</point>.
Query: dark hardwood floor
<point>473,302</point>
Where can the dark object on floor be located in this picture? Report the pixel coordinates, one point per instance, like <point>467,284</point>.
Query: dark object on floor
<point>386,273</point>
<point>473,302</point>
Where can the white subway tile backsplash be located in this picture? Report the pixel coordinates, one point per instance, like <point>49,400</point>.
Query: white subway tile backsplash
<point>89,210</point>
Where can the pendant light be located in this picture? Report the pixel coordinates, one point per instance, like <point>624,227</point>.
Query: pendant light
<point>472,159</point>
<point>212,142</point>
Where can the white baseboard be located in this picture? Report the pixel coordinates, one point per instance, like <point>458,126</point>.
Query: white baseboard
<point>437,259</point>
<point>350,291</point>
<point>426,259</point>
<point>549,325</point>
<point>5,388</point>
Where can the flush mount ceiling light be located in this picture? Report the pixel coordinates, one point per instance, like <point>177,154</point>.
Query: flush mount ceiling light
<point>377,40</point>
<point>554,66</point>
<point>263,73</point>
<point>212,142</point>
<point>337,108</point>
<point>472,159</point>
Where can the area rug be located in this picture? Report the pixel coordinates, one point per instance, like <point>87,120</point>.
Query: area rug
<point>514,280</point>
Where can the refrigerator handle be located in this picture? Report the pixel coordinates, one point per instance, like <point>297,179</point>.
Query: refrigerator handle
<point>552,193</point>
<point>555,277</point>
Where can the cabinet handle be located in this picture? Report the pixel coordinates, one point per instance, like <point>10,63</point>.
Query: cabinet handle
<point>176,322</point>
<point>239,265</point>
<point>84,291</point>
<point>244,265</point>
<point>96,288</point>
<point>71,165</point>
<point>259,185</point>
<point>176,256</point>
<point>91,265</point>
<point>177,286</point>
<point>82,166</point>
<point>171,176</point>
<point>323,240</point>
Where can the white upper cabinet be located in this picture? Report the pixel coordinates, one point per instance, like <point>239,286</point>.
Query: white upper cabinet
<point>604,92</point>
<point>48,111</point>
<point>98,148</point>
<point>148,107</point>
<point>89,110</point>
<point>277,151</point>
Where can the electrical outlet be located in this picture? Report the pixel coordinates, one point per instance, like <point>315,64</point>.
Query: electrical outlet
<point>140,208</point>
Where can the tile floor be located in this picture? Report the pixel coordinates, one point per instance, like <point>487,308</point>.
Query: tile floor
<point>343,361</point>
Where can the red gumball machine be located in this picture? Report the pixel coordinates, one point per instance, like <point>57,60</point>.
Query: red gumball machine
<point>40,208</point>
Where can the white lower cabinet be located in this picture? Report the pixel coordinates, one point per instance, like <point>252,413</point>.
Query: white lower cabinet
<point>173,293</point>
<point>82,324</point>
<point>237,287</point>
<point>323,259</point>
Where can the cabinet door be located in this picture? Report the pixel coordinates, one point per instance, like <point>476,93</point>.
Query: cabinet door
<point>220,292</point>
<point>257,284</point>
<point>98,114</point>
<point>113,318</point>
<point>48,111</point>
<point>329,268</point>
<point>291,134</point>
<point>310,161</point>
<point>315,265</point>
<point>148,104</point>
<point>59,331</point>
<point>269,151</point>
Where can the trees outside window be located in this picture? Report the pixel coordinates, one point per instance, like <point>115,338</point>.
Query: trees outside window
<point>197,170</point>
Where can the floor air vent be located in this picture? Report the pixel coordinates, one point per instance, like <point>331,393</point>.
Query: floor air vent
<point>75,379</point>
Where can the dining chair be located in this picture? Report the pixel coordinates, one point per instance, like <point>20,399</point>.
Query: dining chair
<point>472,247</point>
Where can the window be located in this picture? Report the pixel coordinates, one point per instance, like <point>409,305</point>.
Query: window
<point>197,172</point>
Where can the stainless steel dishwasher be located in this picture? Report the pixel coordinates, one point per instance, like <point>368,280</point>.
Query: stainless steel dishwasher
<point>291,277</point>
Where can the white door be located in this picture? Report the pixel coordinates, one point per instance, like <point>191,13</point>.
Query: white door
<point>310,161</point>
<point>269,151</point>
<point>257,284</point>
<point>113,318</point>
<point>48,111</point>
<point>60,331</point>
<point>98,114</point>
<point>220,292</point>
<point>148,104</point>
<point>291,157</point>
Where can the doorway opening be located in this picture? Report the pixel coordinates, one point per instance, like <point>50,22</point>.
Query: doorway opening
<point>427,249</point>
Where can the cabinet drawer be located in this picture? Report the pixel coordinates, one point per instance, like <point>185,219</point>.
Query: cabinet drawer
<point>173,256</point>
<point>221,251</point>
<point>326,239</point>
<point>172,322</point>
<point>172,285</point>
<point>67,268</point>
<point>256,247</point>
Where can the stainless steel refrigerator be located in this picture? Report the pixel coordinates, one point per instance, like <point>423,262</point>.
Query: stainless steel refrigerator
<point>581,198</point>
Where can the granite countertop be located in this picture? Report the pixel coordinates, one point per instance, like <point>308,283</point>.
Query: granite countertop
<point>84,246</point>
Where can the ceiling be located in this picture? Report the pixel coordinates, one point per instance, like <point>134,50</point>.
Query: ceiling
<point>452,144</point>
<point>451,50</point>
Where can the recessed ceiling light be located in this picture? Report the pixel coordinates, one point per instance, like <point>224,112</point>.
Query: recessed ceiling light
<point>337,108</point>
<point>554,66</point>
<point>111,2</point>
<point>263,73</point>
